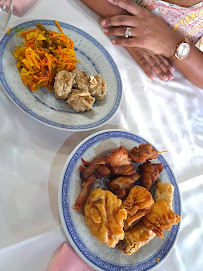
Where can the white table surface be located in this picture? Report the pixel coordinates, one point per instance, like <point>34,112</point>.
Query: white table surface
<point>32,155</point>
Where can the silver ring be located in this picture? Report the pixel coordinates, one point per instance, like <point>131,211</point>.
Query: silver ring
<point>128,33</point>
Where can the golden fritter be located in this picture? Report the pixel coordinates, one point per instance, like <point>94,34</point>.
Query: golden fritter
<point>164,191</point>
<point>150,173</point>
<point>120,186</point>
<point>160,218</point>
<point>143,153</point>
<point>138,203</point>
<point>136,238</point>
<point>104,216</point>
<point>119,157</point>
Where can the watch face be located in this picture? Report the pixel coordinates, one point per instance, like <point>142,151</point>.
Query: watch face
<point>183,50</point>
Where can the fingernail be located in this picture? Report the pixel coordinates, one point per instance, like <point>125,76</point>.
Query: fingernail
<point>110,1</point>
<point>172,69</point>
<point>103,23</point>
<point>170,77</point>
<point>105,30</point>
<point>165,78</point>
<point>113,41</point>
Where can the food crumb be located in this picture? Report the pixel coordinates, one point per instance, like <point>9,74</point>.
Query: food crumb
<point>9,30</point>
<point>157,259</point>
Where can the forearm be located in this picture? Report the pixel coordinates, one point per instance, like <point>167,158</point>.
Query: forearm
<point>191,67</point>
<point>104,8</point>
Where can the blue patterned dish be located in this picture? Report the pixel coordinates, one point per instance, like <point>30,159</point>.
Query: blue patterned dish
<point>41,104</point>
<point>92,251</point>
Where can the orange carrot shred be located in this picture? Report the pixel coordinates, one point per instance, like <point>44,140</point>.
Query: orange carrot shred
<point>59,27</point>
<point>8,31</point>
<point>43,55</point>
<point>27,32</point>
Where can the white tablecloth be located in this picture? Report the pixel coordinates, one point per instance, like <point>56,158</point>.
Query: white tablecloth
<point>32,155</point>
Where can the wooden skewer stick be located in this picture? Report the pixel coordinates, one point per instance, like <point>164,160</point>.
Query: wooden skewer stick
<point>162,152</point>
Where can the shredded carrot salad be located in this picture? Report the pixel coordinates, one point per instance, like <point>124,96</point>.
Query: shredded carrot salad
<point>44,54</point>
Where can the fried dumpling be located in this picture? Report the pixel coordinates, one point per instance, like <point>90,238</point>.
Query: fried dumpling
<point>164,191</point>
<point>136,238</point>
<point>97,87</point>
<point>80,101</point>
<point>137,204</point>
<point>104,216</point>
<point>63,84</point>
<point>81,80</point>
<point>160,218</point>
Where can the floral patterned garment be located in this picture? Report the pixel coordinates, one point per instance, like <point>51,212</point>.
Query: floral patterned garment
<point>187,21</point>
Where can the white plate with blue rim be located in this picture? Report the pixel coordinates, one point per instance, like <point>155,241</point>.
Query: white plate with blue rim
<point>96,254</point>
<point>41,104</point>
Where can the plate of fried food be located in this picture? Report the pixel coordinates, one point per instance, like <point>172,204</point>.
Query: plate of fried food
<point>59,75</point>
<point>119,202</point>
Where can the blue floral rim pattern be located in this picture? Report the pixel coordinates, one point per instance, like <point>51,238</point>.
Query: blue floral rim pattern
<point>12,96</point>
<point>70,227</point>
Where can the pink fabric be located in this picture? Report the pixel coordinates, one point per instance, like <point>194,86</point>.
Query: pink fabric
<point>187,21</point>
<point>68,260</point>
<point>20,5</point>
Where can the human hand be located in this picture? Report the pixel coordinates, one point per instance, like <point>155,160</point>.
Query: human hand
<point>152,64</point>
<point>148,31</point>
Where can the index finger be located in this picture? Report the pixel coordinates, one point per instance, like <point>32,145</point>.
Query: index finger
<point>127,5</point>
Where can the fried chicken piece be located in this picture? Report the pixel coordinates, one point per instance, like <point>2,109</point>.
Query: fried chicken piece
<point>101,172</point>
<point>125,170</point>
<point>143,153</point>
<point>119,157</point>
<point>86,163</point>
<point>150,173</point>
<point>136,238</point>
<point>120,186</point>
<point>86,188</point>
<point>91,167</point>
<point>104,216</point>
<point>138,203</point>
<point>164,191</point>
<point>160,218</point>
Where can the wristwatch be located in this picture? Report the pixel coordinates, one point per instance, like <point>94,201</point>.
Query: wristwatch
<point>182,49</point>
